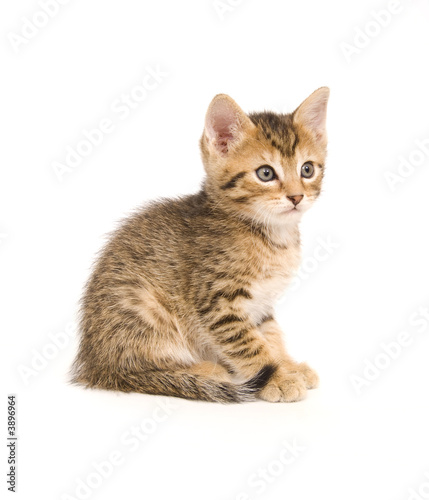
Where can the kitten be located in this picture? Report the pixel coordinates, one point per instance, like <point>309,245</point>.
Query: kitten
<point>180,302</point>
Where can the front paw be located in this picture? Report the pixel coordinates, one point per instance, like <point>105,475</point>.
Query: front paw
<point>309,375</point>
<point>284,387</point>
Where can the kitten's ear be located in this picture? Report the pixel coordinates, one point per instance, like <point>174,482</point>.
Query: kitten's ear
<point>311,114</point>
<point>226,124</point>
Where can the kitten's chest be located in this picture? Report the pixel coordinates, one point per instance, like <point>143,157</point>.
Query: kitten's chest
<point>267,288</point>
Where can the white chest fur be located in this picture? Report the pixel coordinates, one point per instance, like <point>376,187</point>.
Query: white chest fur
<point>268,288</point>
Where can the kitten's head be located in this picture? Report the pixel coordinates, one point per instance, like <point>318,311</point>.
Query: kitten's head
<point>265,166</point>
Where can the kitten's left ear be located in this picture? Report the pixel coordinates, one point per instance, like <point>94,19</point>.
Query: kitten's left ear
<point>226,124</point>
<point>311,114</point>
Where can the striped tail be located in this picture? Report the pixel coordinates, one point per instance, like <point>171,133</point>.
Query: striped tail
<point>193,386</point>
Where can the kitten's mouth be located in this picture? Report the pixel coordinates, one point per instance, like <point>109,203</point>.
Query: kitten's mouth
<point>289,210</point>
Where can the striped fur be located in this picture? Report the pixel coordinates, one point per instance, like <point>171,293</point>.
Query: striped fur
<point>180,301</point>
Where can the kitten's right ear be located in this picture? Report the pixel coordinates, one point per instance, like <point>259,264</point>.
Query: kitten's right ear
<point>226,124</point>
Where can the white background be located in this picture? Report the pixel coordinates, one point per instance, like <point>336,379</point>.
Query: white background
<point>370,443</point>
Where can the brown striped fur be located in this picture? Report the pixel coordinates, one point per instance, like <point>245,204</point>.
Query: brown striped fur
<point>180,301</point>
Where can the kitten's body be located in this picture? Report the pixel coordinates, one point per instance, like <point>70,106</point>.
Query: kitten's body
<point>181,299</point>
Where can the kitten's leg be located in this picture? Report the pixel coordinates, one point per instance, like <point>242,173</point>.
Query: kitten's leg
<point>271,330</point>
<point>242,347</point>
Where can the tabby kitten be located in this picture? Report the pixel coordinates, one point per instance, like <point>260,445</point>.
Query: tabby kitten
<point>180,302</point>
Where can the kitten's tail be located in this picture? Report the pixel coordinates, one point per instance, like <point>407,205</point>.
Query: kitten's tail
<point>193,386</point>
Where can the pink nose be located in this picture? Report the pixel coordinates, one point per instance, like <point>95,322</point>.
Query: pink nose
<point>295,199</point>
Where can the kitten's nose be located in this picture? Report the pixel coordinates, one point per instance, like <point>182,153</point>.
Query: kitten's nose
<point>295,199</point>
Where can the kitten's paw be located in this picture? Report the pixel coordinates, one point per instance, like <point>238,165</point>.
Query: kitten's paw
<point>309,375</point>
<point>284,387</point>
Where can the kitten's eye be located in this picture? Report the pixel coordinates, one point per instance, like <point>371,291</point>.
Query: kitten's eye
<point>307,170</point>
<point>266,173</point>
